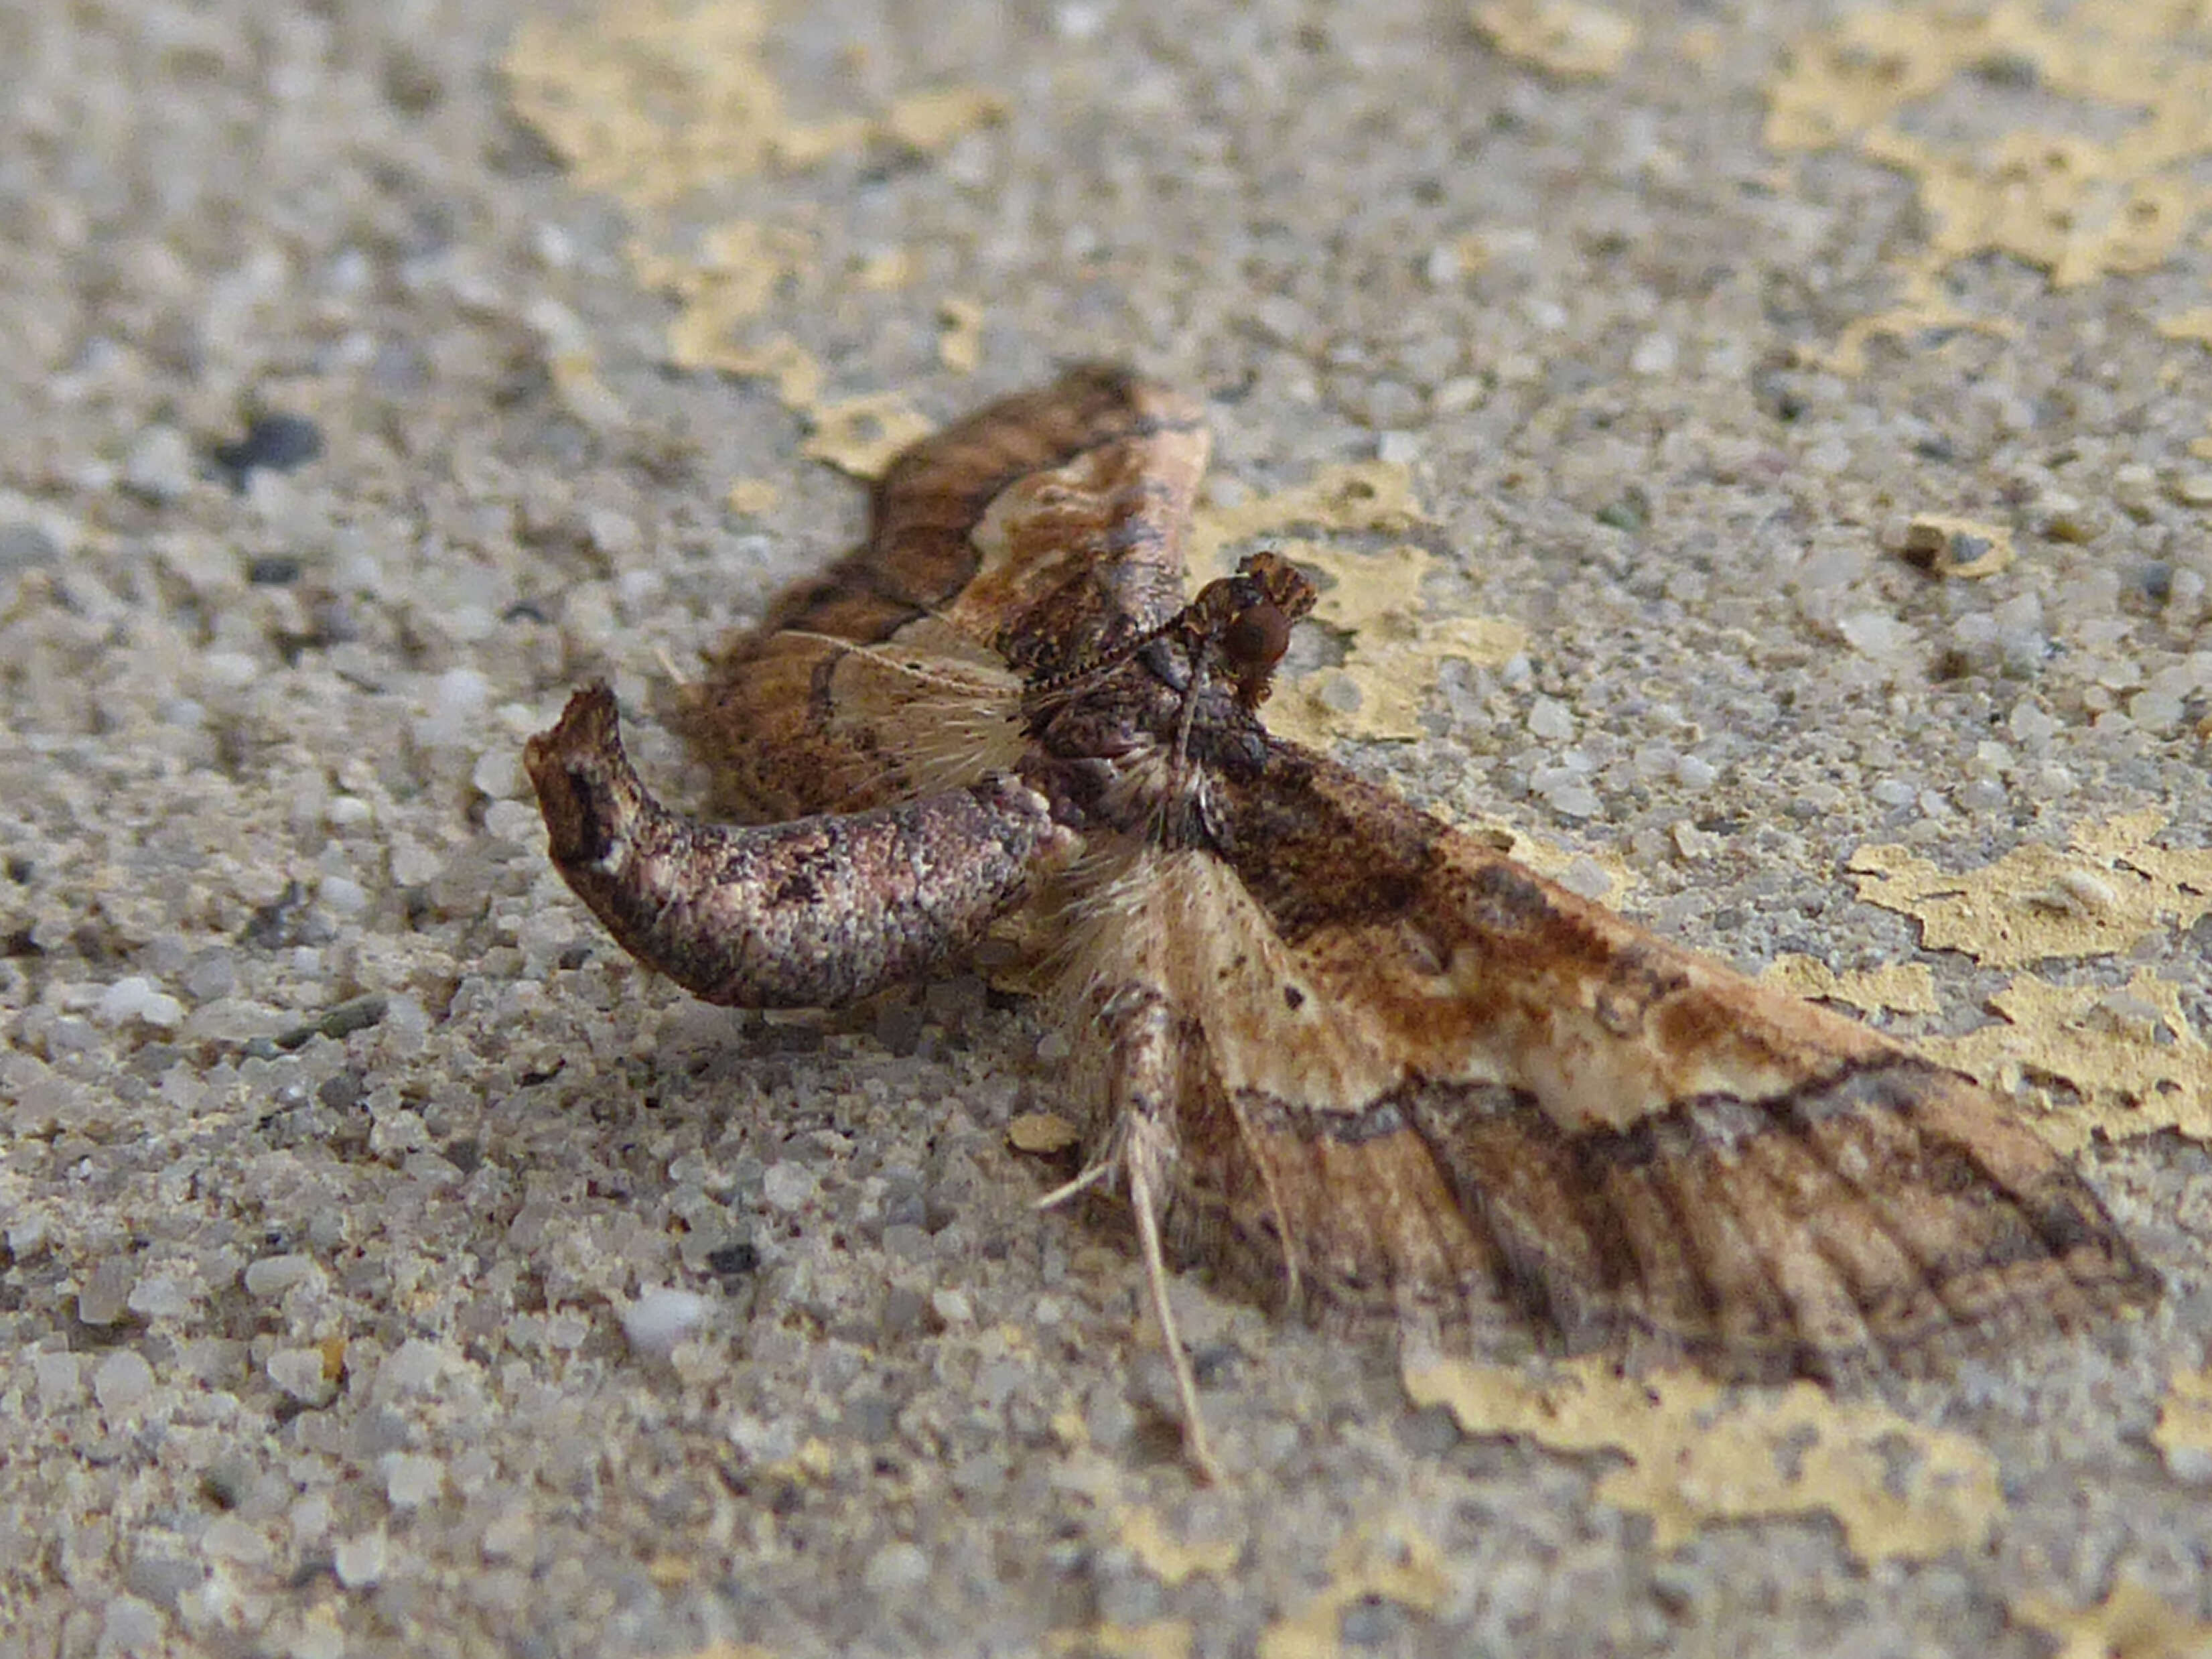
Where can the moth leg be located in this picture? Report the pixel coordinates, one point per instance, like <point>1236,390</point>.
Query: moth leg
<point>814,913</point>
<point>1144,1073</point>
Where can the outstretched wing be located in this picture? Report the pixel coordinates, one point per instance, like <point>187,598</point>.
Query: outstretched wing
<point>1414,1071</point>
<point>1037,535</point>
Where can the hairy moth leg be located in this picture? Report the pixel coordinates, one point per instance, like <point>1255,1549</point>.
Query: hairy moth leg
<point>1142,1084</point>
<point>815,913</point>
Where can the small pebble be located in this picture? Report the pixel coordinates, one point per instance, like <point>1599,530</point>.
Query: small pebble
<point>107,1292</point>
<point>786,1186</point>
<point>136,997</point>
<point>122,1381</point>
<point>299,1372</point>
<point>59,1378</point>
<point>273,1275</point>
<point>895,1568</point>
<point>1655,353</point>
<point>952,1307</point>
<point>359,1562</point>
<point>455,708</point>
<point>160,1296</point>
<point>25,546</point>
<point>410,1480</point>
<point>128,1624</point>
<point>277,442</point>
<point>659,1319</point>
<point>159,467</point>
<point>2133,485</point>
<point>342,896</point>
<point>1550,720</point>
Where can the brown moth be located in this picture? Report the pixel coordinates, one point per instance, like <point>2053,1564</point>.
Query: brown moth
<point>1322,1038</point>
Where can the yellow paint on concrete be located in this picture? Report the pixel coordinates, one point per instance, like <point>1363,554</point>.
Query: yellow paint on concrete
<point>1393,647</point>
<point>1570,39</point>
<point>2111,892</point>
<point>2130,1622</point>
<point>2078,207</point>
<point>1390,1560</point>
<point>861,435</point>
<point>960,339</point>
<point>2128,1059</point>
<point>1894,987</point>
<point>1155,1638</point>
<point>662,105</point>
<point>1168,1558</point>
<point>1699,1454</point>
<point>752,497</point>
<point>2183,1434</point>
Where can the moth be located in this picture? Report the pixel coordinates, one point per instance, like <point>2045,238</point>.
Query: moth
<point>1323,1040</point>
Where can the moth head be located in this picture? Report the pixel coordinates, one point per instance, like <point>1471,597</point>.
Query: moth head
<point>1247,620</point>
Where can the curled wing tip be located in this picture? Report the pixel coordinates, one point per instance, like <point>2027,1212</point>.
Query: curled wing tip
<point>586,787</point>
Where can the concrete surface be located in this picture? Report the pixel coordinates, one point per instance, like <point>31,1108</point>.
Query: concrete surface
<point>386,1267</point>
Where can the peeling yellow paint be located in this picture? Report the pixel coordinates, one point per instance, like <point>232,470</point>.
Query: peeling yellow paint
<point>1894,988</point>
<point>1360,495</point>
<point>2130,1055</point>
<point>1566,38</point>
<point>1167,1557</point>
<point>2130,1622</point>
<point>2113,891</point>
<point>659,103</point>
<point>1393,647</point>
<point>1156,1638</point>
<point>652,101</point>
<point>1042,1133</point>
<point>1961,550</point>
<point>752,497</point>
<point>796,374</point>
<point>1393,650</point>
<point>960,343</point>
<point>2074,206</point>
<point>2195,324</point>
<point>1070,1428</point>
<point>861,435</point>
<point>727,283</point>
<point>1389,1561</point>
<point>2183,1434</point>
<point>884,271</point>
<point>928,121</point>
<point>588,398</point>
<point>1697,1455</point>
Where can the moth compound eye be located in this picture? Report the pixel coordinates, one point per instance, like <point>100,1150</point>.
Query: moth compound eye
<point>1255,640</point>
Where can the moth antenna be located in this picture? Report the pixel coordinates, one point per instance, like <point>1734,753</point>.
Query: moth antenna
<point>876,654</point>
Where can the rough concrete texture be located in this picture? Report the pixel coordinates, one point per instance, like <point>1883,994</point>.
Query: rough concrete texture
<point>386,1266</point>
